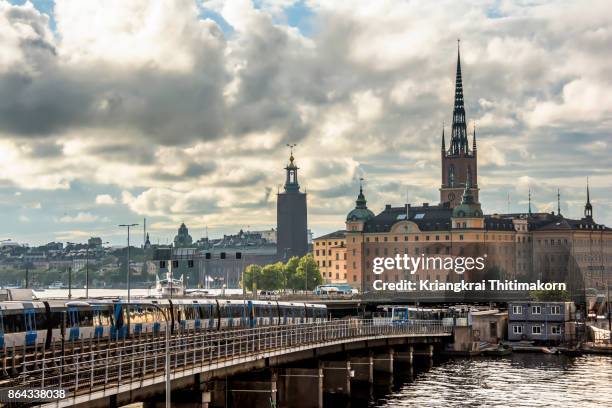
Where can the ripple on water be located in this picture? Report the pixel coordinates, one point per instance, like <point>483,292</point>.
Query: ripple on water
<point>522,380</point>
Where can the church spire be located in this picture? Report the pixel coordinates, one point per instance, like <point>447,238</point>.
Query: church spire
<point>588,208</point>
<point>361,200</point>
<point>459,143</point>
<point>474,138</point>
<point>529,200</point>
<point>443,139</point>
<point>291,181</point>
<point>558,202</point>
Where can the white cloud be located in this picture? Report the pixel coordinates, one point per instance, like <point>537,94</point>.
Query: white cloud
<point>105,199</point>
<point>83,217</point>
<point>191,123</point>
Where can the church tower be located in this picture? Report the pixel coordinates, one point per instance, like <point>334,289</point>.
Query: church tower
<point>291,215</point>
<point>459,161</point>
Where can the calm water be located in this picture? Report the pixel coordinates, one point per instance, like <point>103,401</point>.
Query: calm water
<point>521,380</point>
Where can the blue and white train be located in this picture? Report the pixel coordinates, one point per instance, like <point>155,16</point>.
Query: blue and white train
<point>46,322</point>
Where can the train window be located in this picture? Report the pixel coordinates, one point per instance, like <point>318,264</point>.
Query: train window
<point>85,318</point>
<point>41,320</point>
<point>237,311</point>
<point>106,317</point>
<point>57,318</point>
<point>13,323</point>
<point>206,311</point>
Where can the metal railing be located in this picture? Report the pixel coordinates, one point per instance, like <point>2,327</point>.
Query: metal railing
<point>96,366</point>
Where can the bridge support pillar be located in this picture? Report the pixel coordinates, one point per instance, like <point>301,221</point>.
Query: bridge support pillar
<point>242,392</point>
<point>363,368</point>
<point>337,377</point>
<point>383,362</point>
<point>425,352</point>
<point>403,356</point>
<point>300,387</point>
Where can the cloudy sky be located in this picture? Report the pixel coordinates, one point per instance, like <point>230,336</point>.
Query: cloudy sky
<point>180,110</point>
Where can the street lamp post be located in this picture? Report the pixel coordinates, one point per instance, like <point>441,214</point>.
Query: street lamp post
<point>128,257</point>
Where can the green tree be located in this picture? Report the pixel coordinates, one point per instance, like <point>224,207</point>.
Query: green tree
<point>290,273</point>
<point>252,274</point>
<point>272,276</point>
<point>308,273</point>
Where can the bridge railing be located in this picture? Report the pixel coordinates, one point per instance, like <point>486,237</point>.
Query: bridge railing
<point>99,366</point>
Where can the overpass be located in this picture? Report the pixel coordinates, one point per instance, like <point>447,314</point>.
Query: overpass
<point>104,373</point>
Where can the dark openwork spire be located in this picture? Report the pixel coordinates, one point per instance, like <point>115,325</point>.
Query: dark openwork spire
<point>443,140</point>
<point>558,202</point>
<point>474,138</point>
<point>459,142</point>
<point>588,208</point>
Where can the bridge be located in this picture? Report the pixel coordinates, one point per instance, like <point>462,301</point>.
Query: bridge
<point>112,373</point>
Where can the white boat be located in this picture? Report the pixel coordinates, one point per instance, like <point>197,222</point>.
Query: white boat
<point>169,287</point>
<point>57,285</point>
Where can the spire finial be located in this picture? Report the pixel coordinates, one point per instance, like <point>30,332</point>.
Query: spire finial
<point>291,146</point>
<point>588,195</point>
<point>588,208</point>
<point>529,200</point>
<point>360,185</point>
<point>558,202</point>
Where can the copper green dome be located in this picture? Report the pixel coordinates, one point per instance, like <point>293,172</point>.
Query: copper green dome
<point>360,212</point>
<point>468,207</point>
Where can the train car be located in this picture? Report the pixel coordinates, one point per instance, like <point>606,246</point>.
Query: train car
<point>22,324</point>
<point>315,313</point>
<point>79,322</point>
<point>232,314</point>
<point>200,314</point>
<point>291,312</point>
<point>262,313</point>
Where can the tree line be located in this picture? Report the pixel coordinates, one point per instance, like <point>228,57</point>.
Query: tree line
<point>297,274</point>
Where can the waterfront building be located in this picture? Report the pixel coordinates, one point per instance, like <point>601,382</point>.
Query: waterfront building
<point>329,252</point>
<point>543,322</point>
<point>214,263</point>
<point>525,246</point>
<point>291,216</point>
<point>489,325</point>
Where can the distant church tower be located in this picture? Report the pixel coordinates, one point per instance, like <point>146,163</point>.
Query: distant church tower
<point>291,216</point>
<point>459,160</point>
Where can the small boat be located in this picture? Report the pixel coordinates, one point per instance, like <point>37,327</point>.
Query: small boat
<point>169,287</point>
<point>57,285</point>
<point>498,351</point>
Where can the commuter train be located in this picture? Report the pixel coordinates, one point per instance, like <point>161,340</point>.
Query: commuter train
<point>45,322</point>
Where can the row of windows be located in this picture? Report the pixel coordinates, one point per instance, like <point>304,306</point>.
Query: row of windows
<point>537,309</point>
<point>324,264</point>
<point>536,330</point>
<point>322,253</point>
<point>323,243</point>
<point>439,238</point>
<point>175,264</point>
